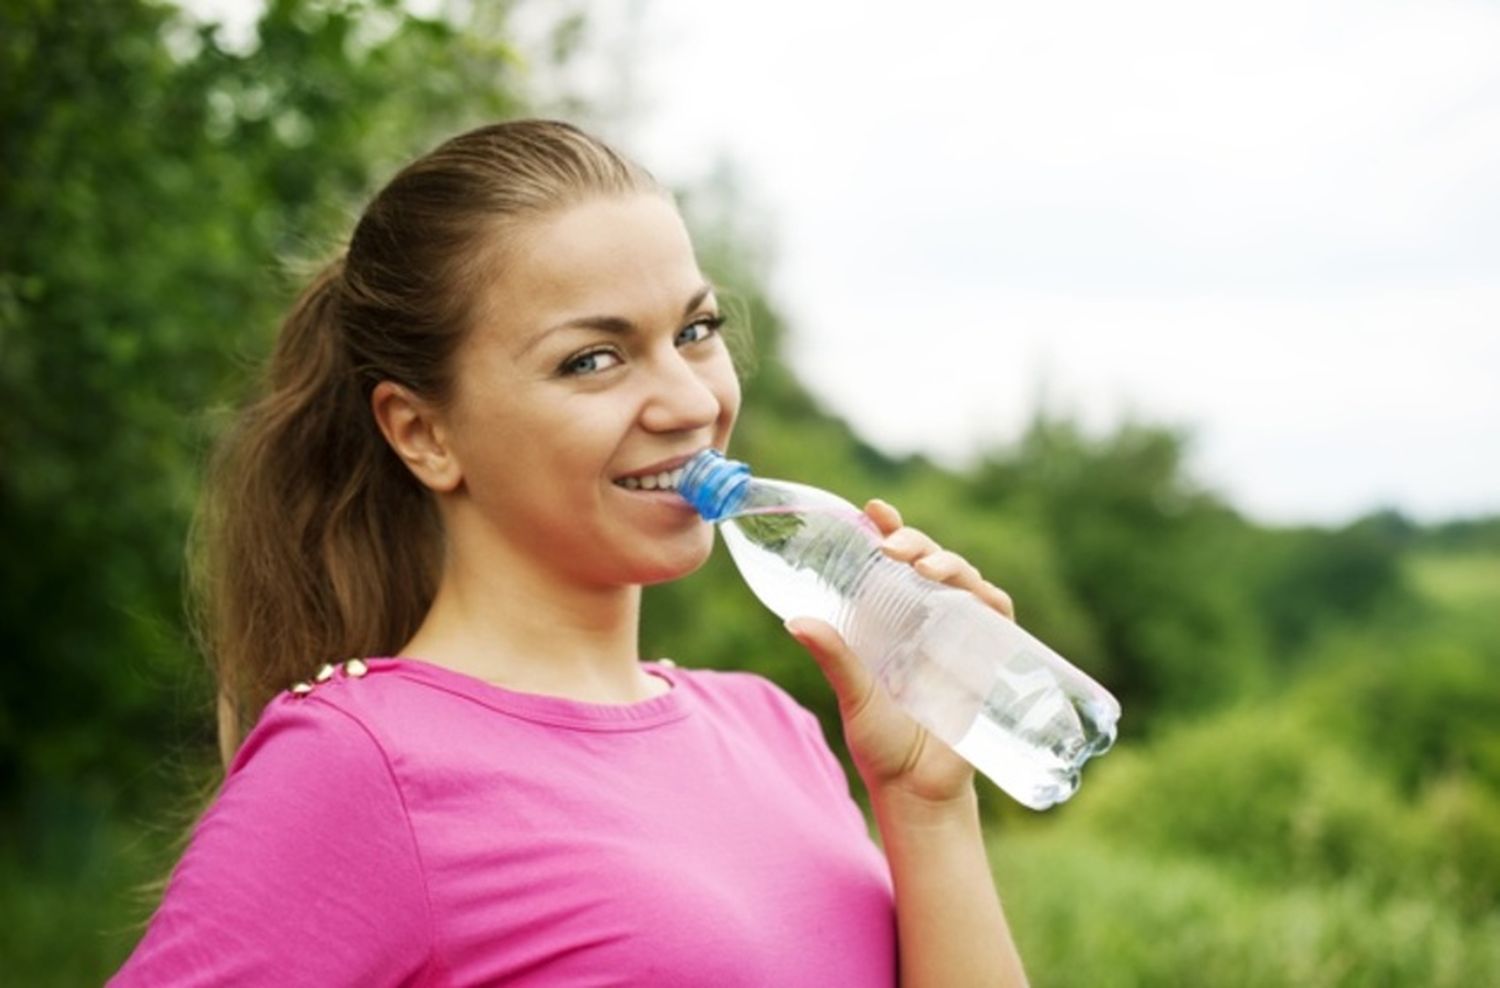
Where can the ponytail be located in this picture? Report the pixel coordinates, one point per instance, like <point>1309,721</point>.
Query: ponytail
<point>312,542</point>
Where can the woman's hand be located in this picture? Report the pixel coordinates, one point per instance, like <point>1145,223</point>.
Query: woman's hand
<point>892,752</point>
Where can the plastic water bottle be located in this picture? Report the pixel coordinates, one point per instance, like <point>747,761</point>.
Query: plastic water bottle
<point>1015,709</point>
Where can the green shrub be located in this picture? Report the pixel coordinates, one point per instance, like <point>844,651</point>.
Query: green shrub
<point>1259,792</point>
<point>1086,912</point>
<point>1417,703</point>
<point>1459,830</point>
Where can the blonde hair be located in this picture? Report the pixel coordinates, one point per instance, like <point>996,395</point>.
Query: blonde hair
<point>312,542</point>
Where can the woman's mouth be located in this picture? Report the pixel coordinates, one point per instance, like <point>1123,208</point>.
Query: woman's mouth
<point>666,480</point>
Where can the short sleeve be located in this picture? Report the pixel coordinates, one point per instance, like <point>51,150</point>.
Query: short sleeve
<point>304,871</point>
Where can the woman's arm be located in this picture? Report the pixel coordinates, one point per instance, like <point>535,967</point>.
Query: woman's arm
<point>949,923</point>
<point>303,872</point>
<point>951,929</point>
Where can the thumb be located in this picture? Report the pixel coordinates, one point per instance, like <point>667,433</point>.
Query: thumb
<point>851,681</point>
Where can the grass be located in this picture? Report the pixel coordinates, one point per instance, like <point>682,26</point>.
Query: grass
<point>1457,580</point>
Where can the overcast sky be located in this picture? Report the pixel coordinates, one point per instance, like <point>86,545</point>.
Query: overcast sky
<point>1276,223</point>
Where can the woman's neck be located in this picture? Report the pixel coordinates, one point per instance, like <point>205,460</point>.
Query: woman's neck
<point>528,629</point>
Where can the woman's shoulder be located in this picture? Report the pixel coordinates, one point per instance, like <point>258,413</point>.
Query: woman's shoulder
<point>308,824</point>
<point>295,725</point>
<point>334,716</point>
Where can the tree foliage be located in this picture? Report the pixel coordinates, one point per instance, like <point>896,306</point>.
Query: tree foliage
<point>154,182</point>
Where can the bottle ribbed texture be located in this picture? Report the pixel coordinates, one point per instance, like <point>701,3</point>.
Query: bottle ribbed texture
<point>877,617</point>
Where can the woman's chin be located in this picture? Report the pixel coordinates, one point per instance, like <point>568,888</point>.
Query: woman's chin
<point>670,566</point>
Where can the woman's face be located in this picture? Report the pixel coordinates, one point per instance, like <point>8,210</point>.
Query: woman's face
<point>595,357</point>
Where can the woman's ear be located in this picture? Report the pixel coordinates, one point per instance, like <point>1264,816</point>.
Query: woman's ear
<point>418,434</point>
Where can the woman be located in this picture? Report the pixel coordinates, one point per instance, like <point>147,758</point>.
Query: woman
<point>446,473</point>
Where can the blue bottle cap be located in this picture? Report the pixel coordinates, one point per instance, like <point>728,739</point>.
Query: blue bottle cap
<point>713,484</point>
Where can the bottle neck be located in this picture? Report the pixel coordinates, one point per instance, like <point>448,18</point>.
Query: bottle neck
<point>714,485</point>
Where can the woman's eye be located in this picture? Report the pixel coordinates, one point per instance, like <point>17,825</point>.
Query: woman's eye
<point>699,330</point>
<point>590,363</point>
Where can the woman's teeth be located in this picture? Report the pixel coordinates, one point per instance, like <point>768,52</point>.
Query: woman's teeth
<point>667,480</point>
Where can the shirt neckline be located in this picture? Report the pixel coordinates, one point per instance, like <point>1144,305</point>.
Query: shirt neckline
<point>543,708</point>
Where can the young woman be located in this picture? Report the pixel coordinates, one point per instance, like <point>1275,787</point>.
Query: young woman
<point>498,791</point>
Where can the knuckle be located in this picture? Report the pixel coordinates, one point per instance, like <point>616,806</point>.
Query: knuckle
<point>957,564</point>
<point>855,706</point>
<point>936,565</point>
<point>900,542</point>
<point>915,535</point>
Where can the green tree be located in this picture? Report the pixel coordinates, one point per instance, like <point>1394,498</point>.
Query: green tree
<point>152,181</point>
<point>1150,557</point>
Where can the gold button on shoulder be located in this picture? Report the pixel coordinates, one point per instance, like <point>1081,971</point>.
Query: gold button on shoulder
<point>325,673</point>
<point>302,688</point>
<point>355,668</point>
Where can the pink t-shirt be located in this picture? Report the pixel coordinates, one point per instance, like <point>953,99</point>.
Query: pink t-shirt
<point>417,826</point>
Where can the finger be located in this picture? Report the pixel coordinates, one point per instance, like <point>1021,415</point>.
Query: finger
<point>953,570</point>
<point>950,568</point>
<point>886,518</point>
<point>996,598</point>
<point>909,544</point>
<point>851,681</point>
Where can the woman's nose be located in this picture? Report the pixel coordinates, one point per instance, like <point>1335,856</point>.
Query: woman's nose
<point>681,397</point>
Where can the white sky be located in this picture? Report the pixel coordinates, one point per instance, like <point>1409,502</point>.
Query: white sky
<point>1277,223</point>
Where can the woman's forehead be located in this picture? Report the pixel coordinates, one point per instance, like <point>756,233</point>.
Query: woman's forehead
<point>624,258</point>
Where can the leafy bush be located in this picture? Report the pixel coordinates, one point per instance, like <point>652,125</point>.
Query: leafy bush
<point>1087,912</point>
<point>1261,793</point>
<point>1418,702</point>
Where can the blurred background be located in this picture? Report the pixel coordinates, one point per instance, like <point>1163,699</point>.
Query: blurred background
<point>1182,323</point>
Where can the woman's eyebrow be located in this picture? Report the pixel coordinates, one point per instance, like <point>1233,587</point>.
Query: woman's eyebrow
<point>611,324</point>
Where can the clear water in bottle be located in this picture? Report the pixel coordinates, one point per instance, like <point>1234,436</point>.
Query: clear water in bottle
<point>1015,709</point>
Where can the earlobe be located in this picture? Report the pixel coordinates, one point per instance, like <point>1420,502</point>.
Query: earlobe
<point>418,436</point>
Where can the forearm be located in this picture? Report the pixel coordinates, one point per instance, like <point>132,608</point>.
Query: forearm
<point>949,922</point>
